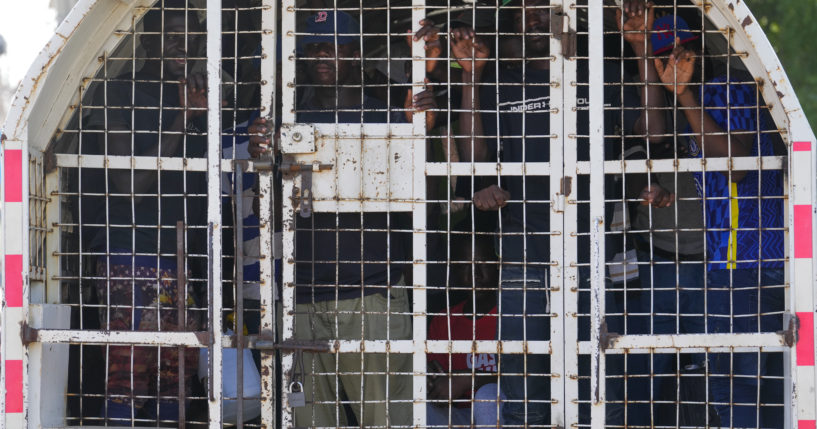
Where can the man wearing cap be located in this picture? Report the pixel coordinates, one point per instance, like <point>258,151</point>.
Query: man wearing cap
<point>742,210</point>
<point>349,266</point>
<point>514,126</point>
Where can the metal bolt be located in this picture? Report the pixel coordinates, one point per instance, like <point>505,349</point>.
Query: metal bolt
<point>297,136</point>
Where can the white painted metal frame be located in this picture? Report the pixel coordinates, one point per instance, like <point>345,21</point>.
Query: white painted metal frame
<point>761,61</point>
<point>288,213</point>
<point>269,286</point>
<point>404,190</point>
<point>51,82</point>
<point>85,34</point>
<point>419,268</point>
<point>597,222</point>
<point>564,272</point>
<point>214,230</point>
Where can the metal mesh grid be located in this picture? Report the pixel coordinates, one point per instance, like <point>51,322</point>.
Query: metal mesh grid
<point>38,228</point>
<point>132,220</point>
<point>693,246</point>
<point>395,273</point>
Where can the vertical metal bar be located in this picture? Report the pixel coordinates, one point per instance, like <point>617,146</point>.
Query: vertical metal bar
<point>181,294</point>
<point>288,293</point>
<point>564,275</point>
<point>214,231</point>
<point>288,212</point>
<point>419,237</point>
<point>4,276</point>
<point>801,273</point>
<point>597,227</point>
<point>238,284</point>
<point>288,60</point>
<point>268,286</point>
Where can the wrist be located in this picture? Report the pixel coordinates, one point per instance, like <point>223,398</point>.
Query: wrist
<point>471,76</point>
<point>639,48</point>
<point>685,96</point>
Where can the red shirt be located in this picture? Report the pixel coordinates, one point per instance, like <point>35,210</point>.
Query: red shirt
<point>464,327</point>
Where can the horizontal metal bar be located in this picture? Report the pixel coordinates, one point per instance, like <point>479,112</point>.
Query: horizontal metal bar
<point>691,343</point>
<point>442,168</point>
<point>610,167</point>
<point>199,339</point>
<point>443,347</point>
<point>488,168</point>
<point>150,163</point>
<point>141,338</point>
<point>744,163</point>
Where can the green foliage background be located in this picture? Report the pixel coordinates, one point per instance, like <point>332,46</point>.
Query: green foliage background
<point>791,26</point>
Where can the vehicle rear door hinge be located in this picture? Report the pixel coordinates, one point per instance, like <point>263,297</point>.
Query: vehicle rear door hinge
<point>560,27</point>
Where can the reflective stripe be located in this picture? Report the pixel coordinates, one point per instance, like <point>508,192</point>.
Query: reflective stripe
<point>14,386</point>
<point>801,146</point>
<point>802,231</point>
<point>13,167</point>
<point>14,281</point>
<point>805,340</point>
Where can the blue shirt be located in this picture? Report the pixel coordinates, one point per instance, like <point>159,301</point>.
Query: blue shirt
<point>235,145</point>
<point>734,238</point>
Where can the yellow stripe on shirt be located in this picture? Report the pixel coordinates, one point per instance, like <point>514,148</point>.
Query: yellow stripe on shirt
<point>734,214</point>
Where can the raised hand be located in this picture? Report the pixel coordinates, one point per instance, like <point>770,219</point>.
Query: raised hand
<point>678,70</point>
<point>468,49</point>
<point>431,35</point>
<point>260,142</point>
<point>639,19</point>
<point>193,95</point>
<point>491,198</point>
<point>424,101</point>
<point>656,196</point>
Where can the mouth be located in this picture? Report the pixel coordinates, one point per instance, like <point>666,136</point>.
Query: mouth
<point>324,68</point>
<point>536,32</point>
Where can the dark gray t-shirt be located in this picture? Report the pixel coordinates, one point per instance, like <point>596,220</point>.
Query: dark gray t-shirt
<point>330,247</point>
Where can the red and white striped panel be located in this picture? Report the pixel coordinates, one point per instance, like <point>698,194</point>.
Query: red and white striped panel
<point>14,237</point>
<point>802,218</point>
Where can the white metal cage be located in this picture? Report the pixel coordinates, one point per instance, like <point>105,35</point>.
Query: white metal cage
<point>349,275</point>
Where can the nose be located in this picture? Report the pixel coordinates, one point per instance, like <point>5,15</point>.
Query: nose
<point>535,17</point>
<point>325,50</point>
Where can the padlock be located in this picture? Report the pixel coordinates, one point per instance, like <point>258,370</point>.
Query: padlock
<point>296,398</point>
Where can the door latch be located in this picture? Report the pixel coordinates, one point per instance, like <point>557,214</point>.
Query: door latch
<point>302,198</point>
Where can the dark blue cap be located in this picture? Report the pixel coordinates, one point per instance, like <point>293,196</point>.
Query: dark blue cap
<point>322,27</point>
<point>666,29</point>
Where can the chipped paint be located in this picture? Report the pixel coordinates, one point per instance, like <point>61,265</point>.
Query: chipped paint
<point>785,98</point>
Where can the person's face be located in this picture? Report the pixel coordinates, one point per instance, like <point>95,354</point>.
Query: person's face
<point>177,44</point>
<point>534,21</point>
<point>483,275</point>
<point>323,65</point>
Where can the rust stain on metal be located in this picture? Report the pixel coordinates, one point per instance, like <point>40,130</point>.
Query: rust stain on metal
<point>790,335</point>
<point>779,93</point>
<point>746,22</point>
<point>567,186</point>
<point>28,334</point>
<point>607,339</point>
